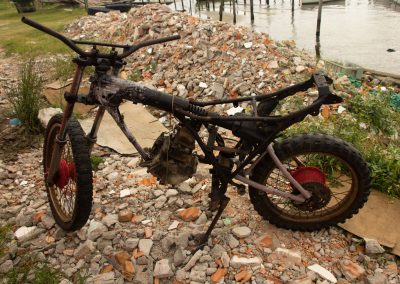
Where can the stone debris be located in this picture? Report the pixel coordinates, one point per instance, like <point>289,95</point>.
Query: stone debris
<point>373,247</point>
<point>323,272</point>
<point>241,232</point>
<point>143,232</point>
<point>163,269</point>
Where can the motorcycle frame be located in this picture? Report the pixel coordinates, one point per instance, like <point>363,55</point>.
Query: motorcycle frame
<point>108,92</point>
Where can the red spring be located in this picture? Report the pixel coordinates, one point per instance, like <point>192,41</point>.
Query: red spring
<point>66,171</point>
<point>308,174</point>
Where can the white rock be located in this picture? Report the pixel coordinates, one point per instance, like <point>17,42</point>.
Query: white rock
<point>23,231</point>
<point>373,247</point>
<point>95,230</point>
<point>248,44</point>
<point>273,65</point>
<point>293,256</point>
<point>340,109</point>
<point>110,219</point>
<point>173,225</point>
<point>84,249</point>
<point>112,176</point>
<point>203,85</point>
<point>171,192</point>
<point>145,246</point>
<point>300,69</point>
<point>237,261</point>
<point>124,193</point>
<point>46,114</point>
<point>234,110</point>
<point>241,232</point>
<point>162,269</point>
<point>324,273</point>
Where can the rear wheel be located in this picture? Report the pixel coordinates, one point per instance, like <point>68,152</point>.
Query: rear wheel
<point>331,169</point>
<point>70,196</point>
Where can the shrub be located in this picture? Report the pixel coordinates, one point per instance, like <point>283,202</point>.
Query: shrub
<point>25,98</point>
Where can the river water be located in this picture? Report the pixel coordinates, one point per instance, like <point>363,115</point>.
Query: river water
<point>356,31</point>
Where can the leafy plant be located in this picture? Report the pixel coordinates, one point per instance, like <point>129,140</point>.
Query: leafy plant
<point>25,98</point>
<point>5,238</point>
<point>373,109</point>
<point>96,161</point>
<point>35,271</point>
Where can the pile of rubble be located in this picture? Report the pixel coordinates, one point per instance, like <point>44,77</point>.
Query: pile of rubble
<point>143,232</point>
<point>211,60</point>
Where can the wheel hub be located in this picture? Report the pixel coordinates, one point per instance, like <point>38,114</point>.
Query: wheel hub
<point>66,171</point>
<point>313,180</point>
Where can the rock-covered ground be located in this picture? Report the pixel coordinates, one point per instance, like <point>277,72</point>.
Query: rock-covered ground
<point>143,232</point>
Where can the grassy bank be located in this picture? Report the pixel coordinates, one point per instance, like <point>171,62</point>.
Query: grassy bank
<point>16,37</point>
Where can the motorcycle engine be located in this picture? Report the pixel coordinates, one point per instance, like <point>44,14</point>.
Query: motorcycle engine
<point>172,160</point>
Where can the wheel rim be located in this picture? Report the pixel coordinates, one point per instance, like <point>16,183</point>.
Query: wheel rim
<point>62,193</point>
<point>341,182</point>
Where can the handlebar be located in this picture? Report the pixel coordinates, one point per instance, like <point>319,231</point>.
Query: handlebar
<point>128,49</point>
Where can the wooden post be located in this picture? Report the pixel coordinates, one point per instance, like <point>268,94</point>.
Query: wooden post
<point>234,11</point>
<point>175,4</point>
<point>318,32</point>
<point>267,2</point>
<point>198,4</point>
<point>190,7</point>
<point>207,5</point>
<point>213,1</point>
<point>221,10</point>
<point>292,5</point>
<point>183,6</point>
<point>252,11</point>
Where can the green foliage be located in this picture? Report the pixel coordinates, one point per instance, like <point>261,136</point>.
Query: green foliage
<point>5,238</point>
<point>385,166</point>
<point>96,161</point>
<point>81,277</point>
<point>25,98</point>
<point>37,272</point>
<point>135,75</point>
<point>383,157</point>
<point>46,275</point>
<point>373,109</point>
<point>63,69</point>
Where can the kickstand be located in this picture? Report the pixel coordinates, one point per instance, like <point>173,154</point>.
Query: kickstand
<point>222,205</point>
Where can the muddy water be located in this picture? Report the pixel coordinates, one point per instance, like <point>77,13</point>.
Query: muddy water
<point>357,31</point>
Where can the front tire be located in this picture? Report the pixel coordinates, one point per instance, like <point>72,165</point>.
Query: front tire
<point>344,190</point>
<point>70,196</point>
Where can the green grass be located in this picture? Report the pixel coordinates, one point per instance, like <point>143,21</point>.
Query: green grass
<point>17,37</point>
<point>5,238</point>
<point>25,98</point>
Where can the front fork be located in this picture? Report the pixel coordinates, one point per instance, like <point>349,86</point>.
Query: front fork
<point>61,137</point>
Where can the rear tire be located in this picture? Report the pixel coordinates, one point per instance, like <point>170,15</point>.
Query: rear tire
<point>343,167</point>
<point>71,195</point>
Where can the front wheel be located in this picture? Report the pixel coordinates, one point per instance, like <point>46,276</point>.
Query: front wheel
<point>70,196</point>
<point>331,169</point>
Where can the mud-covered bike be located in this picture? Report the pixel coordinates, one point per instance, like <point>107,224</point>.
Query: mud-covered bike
<point>304,182</point>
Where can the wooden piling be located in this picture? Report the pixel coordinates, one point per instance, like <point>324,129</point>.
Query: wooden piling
<point>183,6</point>
<point>221,9</point>
<point>292,5</point>
<point>318,32</point>
<point>213,1</point>
<point>234,12</point>
<point>252,11</point>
